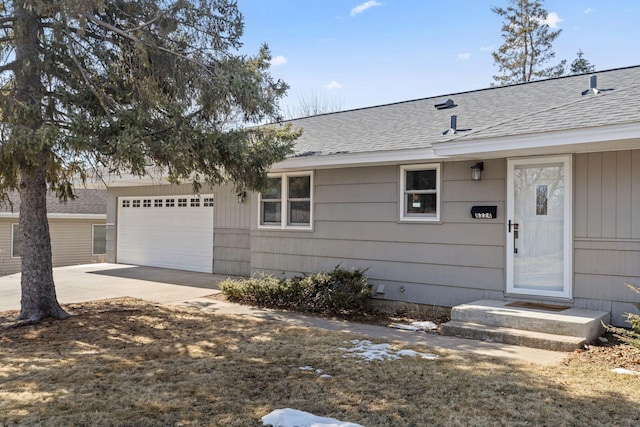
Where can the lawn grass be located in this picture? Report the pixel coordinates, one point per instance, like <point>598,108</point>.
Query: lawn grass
<point>132,363</point>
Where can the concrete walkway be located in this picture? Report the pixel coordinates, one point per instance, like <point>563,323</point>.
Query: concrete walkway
<point>99,281</point>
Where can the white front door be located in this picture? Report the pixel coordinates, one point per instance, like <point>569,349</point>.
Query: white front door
<point>539,226</point>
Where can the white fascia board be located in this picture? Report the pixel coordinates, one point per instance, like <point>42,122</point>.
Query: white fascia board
<point>373,158</point>
<point>59,216</point>
<point>575,140</point>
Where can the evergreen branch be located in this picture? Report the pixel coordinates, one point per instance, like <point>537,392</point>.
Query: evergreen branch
<point>135,39</point>
<point>92,87</point>
<point>160,15</point>
<point>8,67</point>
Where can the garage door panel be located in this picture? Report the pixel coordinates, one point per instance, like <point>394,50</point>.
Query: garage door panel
<point>159,235</point>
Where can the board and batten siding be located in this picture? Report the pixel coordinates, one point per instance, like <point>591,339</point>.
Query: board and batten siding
<point>356,224</point>
<point>607,231</point>
<point>71,243</point>
<point>231,223</point>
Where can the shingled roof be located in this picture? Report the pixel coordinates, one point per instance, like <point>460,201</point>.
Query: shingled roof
<point>88,202</point>
<point>523,109</point>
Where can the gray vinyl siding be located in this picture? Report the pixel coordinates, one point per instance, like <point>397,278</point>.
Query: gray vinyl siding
<point>357,225</point>
<point>460,259</point>
<point>71,243</point>
<point>231,223</point>
<point>607,231</point>
<point>231,251</point>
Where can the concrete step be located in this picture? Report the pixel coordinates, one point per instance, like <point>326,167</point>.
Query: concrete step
<point>512,336</point>
<point>573,322</point>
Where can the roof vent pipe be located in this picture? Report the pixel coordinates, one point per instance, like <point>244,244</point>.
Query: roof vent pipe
<point>593,85</point>
<point>454,124</point>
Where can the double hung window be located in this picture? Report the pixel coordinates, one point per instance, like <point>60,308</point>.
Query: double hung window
<point>99,246</point>
<point>420,192</point>
<point>287,201</point>
<point>16,241</point>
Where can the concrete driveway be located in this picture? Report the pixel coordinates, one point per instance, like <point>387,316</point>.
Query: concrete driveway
<point>88,282</point>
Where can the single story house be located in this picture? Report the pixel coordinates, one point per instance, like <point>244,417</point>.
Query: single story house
<point>528,191</point>
<point>77,228</point>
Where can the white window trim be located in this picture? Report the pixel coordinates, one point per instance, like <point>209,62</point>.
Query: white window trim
<point>403,200</point>
<point>93,239</point>
<point>284,200</point>
<point>12,239</point>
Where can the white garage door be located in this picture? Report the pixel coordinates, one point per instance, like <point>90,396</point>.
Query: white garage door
<point>169,231</point>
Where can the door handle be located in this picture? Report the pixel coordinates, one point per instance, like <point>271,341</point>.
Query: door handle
<point>515,226</point>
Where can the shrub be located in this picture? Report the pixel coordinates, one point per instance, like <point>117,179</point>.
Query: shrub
<point>263,290</point>
<point>339,291</point>
<point>630,336</point>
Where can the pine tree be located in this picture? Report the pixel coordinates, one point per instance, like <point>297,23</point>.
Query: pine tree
<point>126,86</point>
<point>527,44</point>
<point>581,65</point>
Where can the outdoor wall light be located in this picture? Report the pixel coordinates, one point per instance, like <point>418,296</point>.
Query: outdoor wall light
<point>241,196</point>
<point>476,171</point>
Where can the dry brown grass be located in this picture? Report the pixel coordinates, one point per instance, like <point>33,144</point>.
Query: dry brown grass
<point>132,363</point>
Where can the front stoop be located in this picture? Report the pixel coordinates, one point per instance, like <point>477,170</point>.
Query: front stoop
<point>494,321</point>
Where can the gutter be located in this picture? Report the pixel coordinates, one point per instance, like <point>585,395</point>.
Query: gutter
<point>59,216</point>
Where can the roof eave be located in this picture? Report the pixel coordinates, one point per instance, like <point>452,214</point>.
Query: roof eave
<point>605,138</point>
<point>375,158</point>
<point>55,215</point>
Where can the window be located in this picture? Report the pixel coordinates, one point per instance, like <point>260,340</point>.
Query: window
<point>182,203</point>
<point>195,203</point>
<point>169,203</point>
<point>271,202</point>
<point>420,192</point>
<point>126,203</point>
<point>299,200</point>
<point>136,203</point>
<point>287,201</point>
<point>146,203</point>
<point>157,203</point>
<point>16,241</point>
<point>208,202</point>
<point>99,239</point>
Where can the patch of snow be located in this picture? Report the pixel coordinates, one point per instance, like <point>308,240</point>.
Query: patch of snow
<point>415,326</point>
<point>412,353</point>
<point>288,417</point>
<point>365,349</point>
<point>317,371</point>
<point>625,371</point>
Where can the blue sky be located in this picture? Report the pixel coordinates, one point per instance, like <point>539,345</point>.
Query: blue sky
<point>371,52</point>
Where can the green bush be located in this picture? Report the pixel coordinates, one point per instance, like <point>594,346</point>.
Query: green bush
<point>630,336</point>
<point>340,292</point>
<point>263,290</point>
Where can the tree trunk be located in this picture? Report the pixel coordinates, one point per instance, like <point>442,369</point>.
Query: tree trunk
<point>38,291</point>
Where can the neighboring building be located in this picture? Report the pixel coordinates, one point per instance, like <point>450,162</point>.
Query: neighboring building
<point>555,215</point>
<point>77,228</point>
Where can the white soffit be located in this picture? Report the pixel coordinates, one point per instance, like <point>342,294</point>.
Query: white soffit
<point>610,138</point>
